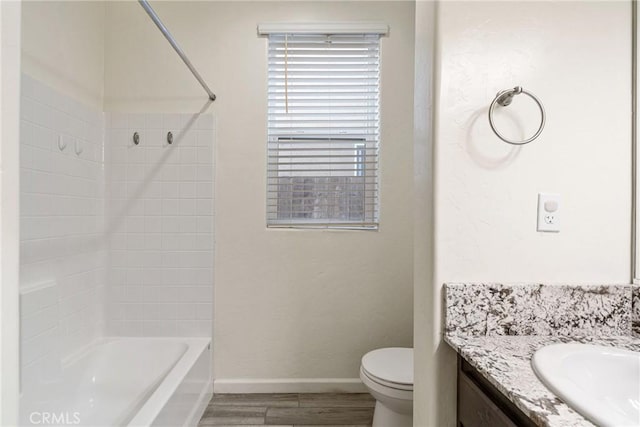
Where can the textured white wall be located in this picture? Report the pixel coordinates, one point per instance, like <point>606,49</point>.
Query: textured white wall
<point>576,56</point>
<point>63,47</point>
<point>288,303</point>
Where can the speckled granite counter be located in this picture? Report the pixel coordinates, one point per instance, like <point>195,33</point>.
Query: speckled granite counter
<point>497,329</point>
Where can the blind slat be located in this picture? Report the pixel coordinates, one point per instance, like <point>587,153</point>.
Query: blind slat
<point>320,156</point>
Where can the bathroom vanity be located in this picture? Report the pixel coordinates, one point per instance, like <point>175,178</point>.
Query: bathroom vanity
<point>480,404</point>
<point>496,329</point>
<point>498,387</point>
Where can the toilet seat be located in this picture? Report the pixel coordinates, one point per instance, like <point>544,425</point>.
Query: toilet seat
<point>385,384</point>
<point>390,367</point>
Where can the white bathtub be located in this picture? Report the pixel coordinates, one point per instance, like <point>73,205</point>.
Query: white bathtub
<point>126,382</point>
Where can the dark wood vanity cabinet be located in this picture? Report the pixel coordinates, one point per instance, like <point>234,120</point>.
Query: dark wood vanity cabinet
<point>480,404</point>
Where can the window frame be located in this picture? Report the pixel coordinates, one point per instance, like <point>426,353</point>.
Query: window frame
<point>359,157</point>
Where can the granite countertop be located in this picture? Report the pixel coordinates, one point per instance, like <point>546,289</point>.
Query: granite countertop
<point>498,327</point>
<point>506,362</point>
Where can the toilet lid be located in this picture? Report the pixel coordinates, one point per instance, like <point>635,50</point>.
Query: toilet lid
<point>393,365</point>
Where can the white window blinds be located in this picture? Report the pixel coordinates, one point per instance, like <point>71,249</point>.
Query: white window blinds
<point>323,130</point>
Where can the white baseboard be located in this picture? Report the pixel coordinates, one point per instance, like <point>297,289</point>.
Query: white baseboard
<point>289,385</point>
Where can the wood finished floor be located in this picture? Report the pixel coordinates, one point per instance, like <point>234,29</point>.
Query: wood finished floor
<point>325,409</point>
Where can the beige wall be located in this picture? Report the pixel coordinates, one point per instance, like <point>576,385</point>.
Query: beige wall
<point>63,47</point>
<point>425,335</point>
<point>288,303</point>
<point>576,56</point>
<point>9,210</point>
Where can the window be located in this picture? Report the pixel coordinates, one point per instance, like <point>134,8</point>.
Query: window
<point>323,130</point>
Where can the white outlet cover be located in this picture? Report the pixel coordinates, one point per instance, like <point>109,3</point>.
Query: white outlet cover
<point>549,212</point>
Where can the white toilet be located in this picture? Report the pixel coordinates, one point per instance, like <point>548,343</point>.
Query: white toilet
<point>388,374</point>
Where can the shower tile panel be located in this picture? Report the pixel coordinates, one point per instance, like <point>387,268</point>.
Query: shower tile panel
<point>61,225</point>
<point>160,224</point>
<point>39,334</point>
<point>499,309</point>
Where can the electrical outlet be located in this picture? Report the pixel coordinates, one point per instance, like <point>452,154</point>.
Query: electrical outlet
<point>548,212</point>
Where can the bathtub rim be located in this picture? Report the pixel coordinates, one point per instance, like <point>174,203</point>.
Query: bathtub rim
<point>151,408</point>
<point>170,383</point>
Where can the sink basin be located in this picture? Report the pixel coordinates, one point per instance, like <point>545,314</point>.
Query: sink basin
<point>601,383</point>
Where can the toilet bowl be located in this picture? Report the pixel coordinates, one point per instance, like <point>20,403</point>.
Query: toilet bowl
<point>388,375</point>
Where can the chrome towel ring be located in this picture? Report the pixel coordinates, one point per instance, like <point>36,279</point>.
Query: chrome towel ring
<point>504,98</point>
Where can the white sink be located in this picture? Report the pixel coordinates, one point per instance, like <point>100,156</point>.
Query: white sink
<point>601,383</point>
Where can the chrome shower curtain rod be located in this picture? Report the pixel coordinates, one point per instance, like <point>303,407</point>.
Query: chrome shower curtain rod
<point>154,17</point>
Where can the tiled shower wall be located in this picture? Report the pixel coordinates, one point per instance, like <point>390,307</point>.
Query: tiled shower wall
<point>115,239</point>
<point>62,246</point>
<point>160,224</point>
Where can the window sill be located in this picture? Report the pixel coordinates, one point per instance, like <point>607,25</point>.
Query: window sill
<point>352,227</point>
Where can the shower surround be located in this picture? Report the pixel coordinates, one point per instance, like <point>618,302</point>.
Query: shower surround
<point>62,246</point>
<point>116,238</point>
